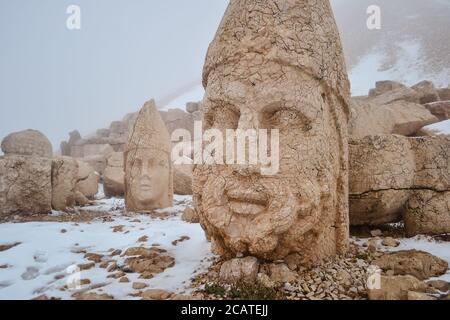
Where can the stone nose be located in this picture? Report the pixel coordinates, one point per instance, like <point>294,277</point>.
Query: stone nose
<point>145,171</point>
<point>248,119</point>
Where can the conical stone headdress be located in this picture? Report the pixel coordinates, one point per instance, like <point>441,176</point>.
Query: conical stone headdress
<point>149,131</point>
<point>298,33</point>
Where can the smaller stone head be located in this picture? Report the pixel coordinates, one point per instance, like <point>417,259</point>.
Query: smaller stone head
<point>148,168</point>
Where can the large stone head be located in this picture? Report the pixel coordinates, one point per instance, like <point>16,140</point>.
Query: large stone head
<point>148,168</point>
<point>278,64</point>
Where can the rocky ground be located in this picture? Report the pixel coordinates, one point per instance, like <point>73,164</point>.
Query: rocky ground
<point>343,278</point>
<point>100,252</point>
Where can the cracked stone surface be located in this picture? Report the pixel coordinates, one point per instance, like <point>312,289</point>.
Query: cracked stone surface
<point>25,185</point>
<point>148,168</point>
<point>87,180</point>
<point>432,155</point>
<point>399,117</point>
<point>114,176</point>
<point>278,65</point>
<point>27,143</point>
<point>64,181</point>
<point>394,178</point>
<point>427,212</point>
<point>440,109</point>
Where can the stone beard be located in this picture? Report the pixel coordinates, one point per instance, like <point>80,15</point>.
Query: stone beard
<point>304,208</point>
<point>149,182</point>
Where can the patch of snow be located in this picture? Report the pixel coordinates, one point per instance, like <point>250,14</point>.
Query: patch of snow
<point>101,192</point>
<point>408,69</point>
<point>44,261</point>
<point>440,249</point>
<point>55,213</point>
<point>107,205</point>
<point>180,204</point>
<point>424,243</point>
<point>440,128</point>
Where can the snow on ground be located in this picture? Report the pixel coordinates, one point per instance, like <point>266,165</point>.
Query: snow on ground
<point>408,69</point>
<point>428,244</point>
<point>440,128</point>
<point>440,249</point>
<point>43,261</point>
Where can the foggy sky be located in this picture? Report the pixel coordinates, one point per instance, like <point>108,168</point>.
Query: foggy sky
<point>127,51</point>
<point>56,80</point>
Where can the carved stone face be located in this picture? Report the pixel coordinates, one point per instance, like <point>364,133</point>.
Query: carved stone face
<point>297,209</point>
<point>149,178</point>
<point>148,169</point>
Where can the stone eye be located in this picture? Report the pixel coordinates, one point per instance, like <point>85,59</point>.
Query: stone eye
<point>162,163</point>
<point>287,119</point>
<point>225,118</point>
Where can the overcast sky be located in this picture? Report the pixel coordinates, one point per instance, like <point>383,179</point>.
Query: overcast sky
<point>55,80</point>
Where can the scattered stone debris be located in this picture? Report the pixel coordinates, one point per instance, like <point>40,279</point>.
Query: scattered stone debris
<point>116,275</point>
<point>396,288</point>
<point>156,294</point>
<point>44,297</point>
<point>342,278</point>
<point>413,295</point>
<point>143,239</point>
<point>376,233</point>
<point>139,285</point>
<point>84,282</point>
<point>86,266</point>
<point>181,239</point>
<point>147,261</point>
<point>118,228</point>
<point>4,247</point>
<point>97,258</point>
<point>112,267</point>
<point>93,296</point>
<point>419,264</point>
<point>116,252</point>
<point>390,242</point>
<point>442,286</point>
